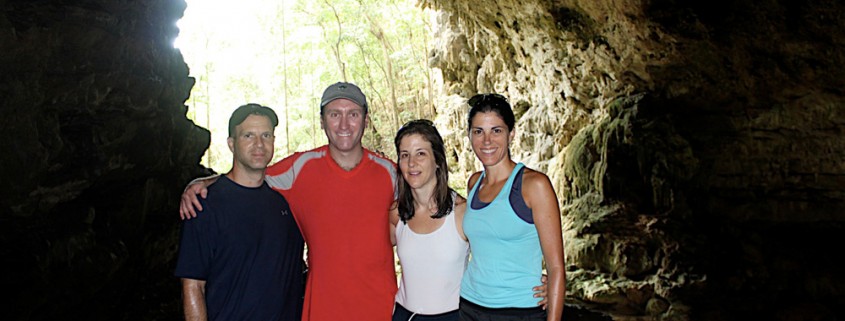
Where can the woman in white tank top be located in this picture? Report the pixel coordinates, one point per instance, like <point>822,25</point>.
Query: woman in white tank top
<point>432,248</point>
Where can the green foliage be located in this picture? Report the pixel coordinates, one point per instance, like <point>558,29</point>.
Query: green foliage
<point>284,53</point>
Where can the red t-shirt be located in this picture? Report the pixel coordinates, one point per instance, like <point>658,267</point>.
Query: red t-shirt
<point>343,216</point>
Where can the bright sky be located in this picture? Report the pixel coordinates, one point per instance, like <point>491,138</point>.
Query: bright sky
<point>234,26</point>
<point>226,46</point>
<point>237,53</point>
<point>225,18</point>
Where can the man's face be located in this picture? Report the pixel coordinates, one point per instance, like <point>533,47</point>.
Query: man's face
<point>252,145</point>
<point>344,122</point>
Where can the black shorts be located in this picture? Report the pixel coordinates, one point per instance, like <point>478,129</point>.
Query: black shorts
<point>473,312</point>
<point>402,314</point>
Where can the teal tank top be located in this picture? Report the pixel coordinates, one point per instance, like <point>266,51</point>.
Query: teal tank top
<point>506,258</point>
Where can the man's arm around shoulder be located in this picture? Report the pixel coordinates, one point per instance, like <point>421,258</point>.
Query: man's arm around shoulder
<point>190,203</point>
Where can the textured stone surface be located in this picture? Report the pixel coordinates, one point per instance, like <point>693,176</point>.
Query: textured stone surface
<point>96,151</point>
<point>696,146</point>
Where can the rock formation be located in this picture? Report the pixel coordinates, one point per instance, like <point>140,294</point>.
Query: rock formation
<point>696,148</point>
<point>97,149</point>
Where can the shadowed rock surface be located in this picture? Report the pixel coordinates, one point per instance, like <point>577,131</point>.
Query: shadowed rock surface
<point>696,147</point>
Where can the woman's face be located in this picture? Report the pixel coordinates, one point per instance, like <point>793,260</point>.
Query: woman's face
<point>416,161</point>
<point>490,138</point>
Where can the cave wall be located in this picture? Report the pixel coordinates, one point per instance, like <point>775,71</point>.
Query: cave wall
<point>696,146</point>
<point>96,151</point>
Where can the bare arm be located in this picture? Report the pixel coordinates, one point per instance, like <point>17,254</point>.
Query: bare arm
<point>540,197</point>
<point>460,210</point>
<point>189,196</point>
<point>193,300</point>
<point>471,181</point>
<point>394,219</point>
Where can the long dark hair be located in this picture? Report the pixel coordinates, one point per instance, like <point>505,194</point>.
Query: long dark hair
<point>442,192</point>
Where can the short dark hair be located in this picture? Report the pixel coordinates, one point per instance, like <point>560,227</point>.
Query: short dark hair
<point>244,111</point>
<point>483,103</point>
<point>442,192</point>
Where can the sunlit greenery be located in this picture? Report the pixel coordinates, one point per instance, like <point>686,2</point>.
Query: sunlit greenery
<point>284,53</point>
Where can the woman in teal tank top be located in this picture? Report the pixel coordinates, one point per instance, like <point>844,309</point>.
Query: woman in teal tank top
<point>513,224</point>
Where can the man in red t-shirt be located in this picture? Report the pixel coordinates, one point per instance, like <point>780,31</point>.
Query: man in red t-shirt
<point>340,195</point>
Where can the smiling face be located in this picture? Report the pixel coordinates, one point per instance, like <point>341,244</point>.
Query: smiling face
<point>344,122</point>
<point>416,162</point>
<point>490,138</point>
<point>252,144</point>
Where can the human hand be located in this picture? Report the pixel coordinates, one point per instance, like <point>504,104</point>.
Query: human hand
<point>190,200</point>
<point>540,291</point>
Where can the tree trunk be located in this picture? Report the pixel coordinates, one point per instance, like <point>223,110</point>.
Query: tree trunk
<point>336,49</point>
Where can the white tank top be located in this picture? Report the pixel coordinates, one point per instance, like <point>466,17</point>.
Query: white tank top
<point>432,267</point>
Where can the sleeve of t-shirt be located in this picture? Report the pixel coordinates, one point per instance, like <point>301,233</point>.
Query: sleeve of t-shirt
<point>392,171</point>
<point>281,175</point>
<point>196,245</point>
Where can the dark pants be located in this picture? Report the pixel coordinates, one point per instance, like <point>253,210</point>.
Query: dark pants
<point>402,314</point>
<point>473,312</point>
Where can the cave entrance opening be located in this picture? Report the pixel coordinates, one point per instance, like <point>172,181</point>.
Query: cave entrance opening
<point>282,54</point>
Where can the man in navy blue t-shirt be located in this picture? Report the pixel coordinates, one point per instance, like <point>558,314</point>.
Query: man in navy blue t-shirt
<point>242,259</point>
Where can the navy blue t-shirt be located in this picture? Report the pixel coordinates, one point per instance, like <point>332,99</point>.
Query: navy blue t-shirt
<point>247,247</point>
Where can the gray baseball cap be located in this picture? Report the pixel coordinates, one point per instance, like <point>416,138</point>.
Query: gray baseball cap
<point>344,90</point>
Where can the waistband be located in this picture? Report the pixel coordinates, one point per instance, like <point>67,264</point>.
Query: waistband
<point>399,306</point>
<point>500,310</point>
